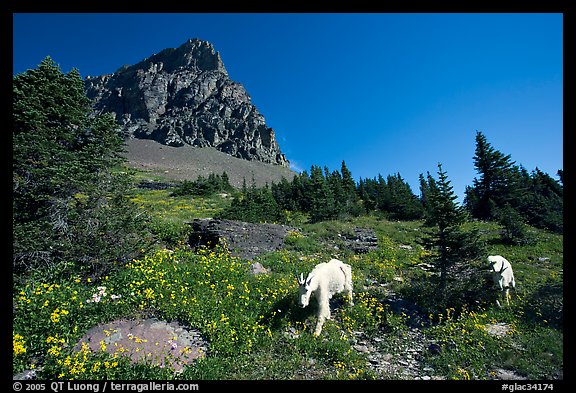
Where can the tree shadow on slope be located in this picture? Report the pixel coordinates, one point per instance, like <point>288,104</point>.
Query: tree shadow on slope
<point>545,306</point>
<point>286,311</point>
<point>467,286</point>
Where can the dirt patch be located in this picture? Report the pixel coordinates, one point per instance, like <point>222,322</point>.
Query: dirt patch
<point>147,341</point>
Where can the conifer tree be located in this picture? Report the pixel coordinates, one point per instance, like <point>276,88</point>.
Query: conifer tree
<point>70,206</point>
<point>321,197</point>
<point>536,198</point>
<point>424,189</point>
<point>496,185</point>
<point>301,191</point>
<point>339,194</point>
<point>348,183</point>
<point>382,194</point>
<point>403,204</point>
<point>256,205</point>
<point>449,242</point>
<point>367,192</point>
<point>542,204</point>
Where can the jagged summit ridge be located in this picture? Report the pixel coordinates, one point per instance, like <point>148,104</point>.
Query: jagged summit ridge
<point>194,55</point>
<point>184,96</point>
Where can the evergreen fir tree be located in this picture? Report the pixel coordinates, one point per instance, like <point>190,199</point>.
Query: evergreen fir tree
<point>424,190</point>
<point>367,191</point>
<point>382,194</point>
<point>449,242</point>
<point>70,206</point>
<point>542,204</point>
<point>257,205</point>
<point>321,197</point>
<point>284,195</point>
<point>348,184</point>
<point>514,229</point>
<point>301,192</point>
<point>225,183</point>
<point>502,185</point>
<point>496,185</point>
<point>403,204</point>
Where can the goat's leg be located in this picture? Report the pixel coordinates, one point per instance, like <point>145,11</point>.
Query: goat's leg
<point>497,298</point>
<point>349,297</point>
<point>323,314</point>
<point>348,290</point>
<point>319,325</point>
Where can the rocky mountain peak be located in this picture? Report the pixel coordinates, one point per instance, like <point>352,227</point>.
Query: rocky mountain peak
<point>193,55</point>
<point>184,96</point>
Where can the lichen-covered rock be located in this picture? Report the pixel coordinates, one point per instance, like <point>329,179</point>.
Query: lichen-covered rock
<point>167,344</point>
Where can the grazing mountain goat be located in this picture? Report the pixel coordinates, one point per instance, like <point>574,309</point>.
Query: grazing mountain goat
<point>327,279</point>
<point>502,275</point>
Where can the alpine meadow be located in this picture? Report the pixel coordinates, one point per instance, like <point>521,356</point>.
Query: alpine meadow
<point>99,244</point>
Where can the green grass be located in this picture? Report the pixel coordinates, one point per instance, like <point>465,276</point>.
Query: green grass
<point>256,330</point>
<point>170,215</point>
<point>180,208</point>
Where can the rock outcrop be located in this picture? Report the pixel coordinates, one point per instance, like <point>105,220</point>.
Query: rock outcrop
<point>362,241</point>
<point>184,96</point>
<point>243,239</point>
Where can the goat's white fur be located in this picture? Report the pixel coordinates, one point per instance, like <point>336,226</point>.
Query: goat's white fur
<point>326,280</point>
<point>502,275</point>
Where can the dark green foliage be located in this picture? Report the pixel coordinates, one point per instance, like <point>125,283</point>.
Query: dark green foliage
<point>204,186</point>
<point>287,194</point>
<point>496,185</point>
<point>452,246</point>
<point>403,204</point>
<point>70,206</point>
<point>514,229</point>
<point>392,196</point>
<point>254,205</point>
<point>536,197</point>
<point>542,203</point>
<point>326,195</point>
<point>322,203</point>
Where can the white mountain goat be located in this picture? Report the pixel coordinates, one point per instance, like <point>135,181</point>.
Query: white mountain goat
<point>326,280</point>
<point>502,275</point>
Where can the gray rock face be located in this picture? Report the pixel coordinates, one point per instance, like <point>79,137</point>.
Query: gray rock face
<point>244,240</point>
<point>184,96</point>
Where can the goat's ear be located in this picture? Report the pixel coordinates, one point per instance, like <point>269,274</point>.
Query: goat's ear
<point>309,279</point>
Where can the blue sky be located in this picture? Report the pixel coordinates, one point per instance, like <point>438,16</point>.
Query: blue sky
<point>387,93</point>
